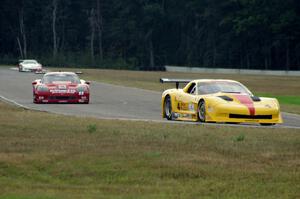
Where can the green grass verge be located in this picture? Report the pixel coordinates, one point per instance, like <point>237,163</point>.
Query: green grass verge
<point>293,100</point>
<point>52,156</point>
<point>289,104</point>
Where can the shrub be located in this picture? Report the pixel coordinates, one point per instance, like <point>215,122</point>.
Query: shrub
<point>92,128</point>
<point>239,138</point>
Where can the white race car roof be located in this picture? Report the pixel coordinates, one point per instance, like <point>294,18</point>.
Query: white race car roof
<point>60,73</point>
<point>31,60</point>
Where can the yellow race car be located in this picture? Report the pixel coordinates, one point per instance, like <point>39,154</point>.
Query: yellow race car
<point>217,100</point>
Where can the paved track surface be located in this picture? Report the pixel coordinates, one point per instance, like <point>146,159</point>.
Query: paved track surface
<point>107,101</point>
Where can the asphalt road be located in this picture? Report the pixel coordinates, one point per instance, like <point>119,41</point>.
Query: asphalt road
<point>107,101</point>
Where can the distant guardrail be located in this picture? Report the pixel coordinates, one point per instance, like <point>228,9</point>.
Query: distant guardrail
<point>231,71</point>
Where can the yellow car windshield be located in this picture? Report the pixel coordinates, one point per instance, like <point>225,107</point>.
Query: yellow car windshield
<point>221,86</point>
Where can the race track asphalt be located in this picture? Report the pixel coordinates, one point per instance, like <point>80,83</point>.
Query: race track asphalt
<point>107,101</point>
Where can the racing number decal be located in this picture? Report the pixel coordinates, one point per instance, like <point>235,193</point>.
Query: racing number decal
<point>186,106</point>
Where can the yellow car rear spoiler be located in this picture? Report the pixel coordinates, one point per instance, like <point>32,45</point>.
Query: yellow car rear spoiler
<point>177,81</point>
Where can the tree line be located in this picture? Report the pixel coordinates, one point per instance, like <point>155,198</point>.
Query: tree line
<point>148,34</point>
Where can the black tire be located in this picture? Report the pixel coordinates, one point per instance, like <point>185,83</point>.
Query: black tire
<point>33,99</point>
<point>168,108</point>
<point>36,102</point>
<point>88,100</point>
<point>201,111</point>
<point>267,124</point>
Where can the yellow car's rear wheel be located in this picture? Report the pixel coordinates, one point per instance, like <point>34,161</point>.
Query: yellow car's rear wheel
<point>168,108</point>
<point>201,111</point>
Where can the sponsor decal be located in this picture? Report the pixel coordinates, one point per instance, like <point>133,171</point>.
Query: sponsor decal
<point>191,107</point>
<point>182,115</point>
<point>268,106</point>
<point>63,91</point>
<point>186,106</point>
<point>62,87</point>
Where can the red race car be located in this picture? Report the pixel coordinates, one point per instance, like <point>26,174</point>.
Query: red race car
<point>61,87</point>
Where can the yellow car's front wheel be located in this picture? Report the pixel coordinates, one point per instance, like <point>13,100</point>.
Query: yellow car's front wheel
<point>168,108</point>
<point>201,111</point>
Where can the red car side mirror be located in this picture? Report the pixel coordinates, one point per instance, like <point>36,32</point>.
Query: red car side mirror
<point>34,83</point>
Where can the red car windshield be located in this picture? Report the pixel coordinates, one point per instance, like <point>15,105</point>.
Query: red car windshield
<point>221,86</point>
<point>60,78</point>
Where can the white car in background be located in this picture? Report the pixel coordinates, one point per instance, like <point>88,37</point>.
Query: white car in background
<point>29,65</point>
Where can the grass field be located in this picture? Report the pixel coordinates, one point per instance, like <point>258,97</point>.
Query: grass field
<point>47,156</point>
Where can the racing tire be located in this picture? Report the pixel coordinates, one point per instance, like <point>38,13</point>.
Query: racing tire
<point>168,108</point>
<point>232,122</point>
<point>88,101</point>
<point>267,124</point>
<point>34,99</point>
<point>36,102</point>
<point>201,112</point>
